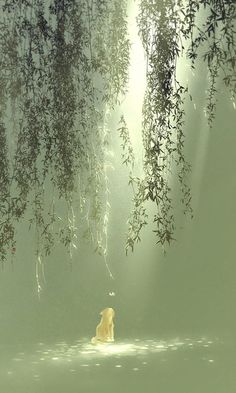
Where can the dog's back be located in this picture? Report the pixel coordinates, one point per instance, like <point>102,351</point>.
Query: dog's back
<point>105,329</point>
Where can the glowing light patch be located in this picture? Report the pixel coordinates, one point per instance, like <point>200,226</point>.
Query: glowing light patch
<point>116,349</point>
<point>83,354</point>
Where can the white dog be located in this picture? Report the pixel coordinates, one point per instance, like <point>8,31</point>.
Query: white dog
<point>105,329</point>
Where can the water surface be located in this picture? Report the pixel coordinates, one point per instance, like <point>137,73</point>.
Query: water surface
<point>199,365</point>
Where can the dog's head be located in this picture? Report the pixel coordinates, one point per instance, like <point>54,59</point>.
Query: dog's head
<point>108,312</point>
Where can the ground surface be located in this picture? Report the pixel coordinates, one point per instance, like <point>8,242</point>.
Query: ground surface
<point>199,365</point>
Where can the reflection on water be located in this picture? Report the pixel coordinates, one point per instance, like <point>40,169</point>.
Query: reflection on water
<point>37,369</point>
<point>83,350</point>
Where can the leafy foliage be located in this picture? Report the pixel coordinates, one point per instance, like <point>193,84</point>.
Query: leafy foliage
<point>63,64</point>
<point>169,30</point>
<point>63,67</point>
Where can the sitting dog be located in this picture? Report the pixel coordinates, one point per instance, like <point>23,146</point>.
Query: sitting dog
<point>105,329</point>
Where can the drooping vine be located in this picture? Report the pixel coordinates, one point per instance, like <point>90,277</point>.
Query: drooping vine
<point>163,112</point>
<point>169,29</point>
<point>63,65</point>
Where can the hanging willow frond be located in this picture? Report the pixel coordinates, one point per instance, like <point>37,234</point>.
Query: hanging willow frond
<point>170,29</point>
<point>209,26</point>
<point>63,64</point>
<point>163,114</point>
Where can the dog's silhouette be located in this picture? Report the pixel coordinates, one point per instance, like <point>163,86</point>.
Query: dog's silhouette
<point>105,329</point>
